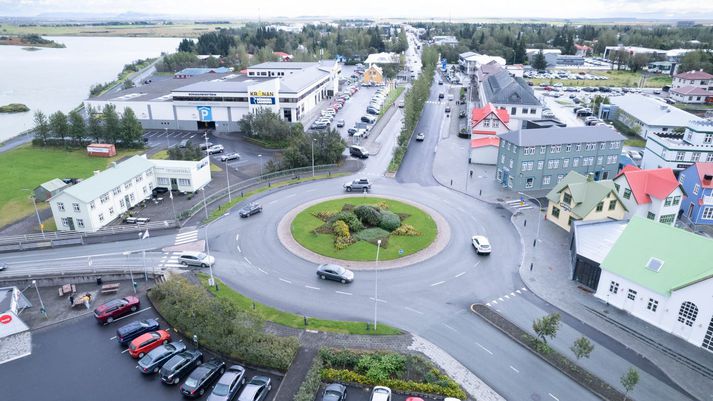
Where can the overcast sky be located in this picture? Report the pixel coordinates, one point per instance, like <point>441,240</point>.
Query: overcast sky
<point>419,9</point>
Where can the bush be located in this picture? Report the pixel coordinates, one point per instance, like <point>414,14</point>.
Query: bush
<point>373,234</point>
<point>348,217</point>
<point>406,230</point>
<point>309,387</point>
<point>389,221</point>
<point>324,215</point>
<point>368,215</point>
<point>341,229</point>
<point>348,376</point>
<point>380,367</point>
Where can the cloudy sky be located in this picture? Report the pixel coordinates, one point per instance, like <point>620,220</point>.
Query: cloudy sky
<point>676,9</point>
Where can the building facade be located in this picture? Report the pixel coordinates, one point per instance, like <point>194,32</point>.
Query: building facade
<point>697,182</point>
<point>538,159</point>
<point>679,151</point>
<point>645,115</point>
<point>373,75</point>
<point>498,87</point>
<point>652,194</point>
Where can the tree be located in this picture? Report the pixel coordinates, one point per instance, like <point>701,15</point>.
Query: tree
<point>629,380</point>
<point>131,130</point>
<point>637,61</point>
<point>128,84</point>
<point>59,125</point>
<point>94,127</point>
<point>187,46</point>
<point>539,62</point>
<point>77,127</point>
<point>582,347</point>
<point>42,127</point>
<point>112,128</point>
<point>546,326</point>
<point>520,54</point>
<point>697,60</point>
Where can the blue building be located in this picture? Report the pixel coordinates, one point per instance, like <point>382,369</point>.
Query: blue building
<point>697,183</point>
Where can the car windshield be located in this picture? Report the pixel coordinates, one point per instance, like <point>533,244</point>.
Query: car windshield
<point>201,256</point>
<point>147,359</point>
<point>221,389</point>
<point>338,269</point>
<point>191,382</point>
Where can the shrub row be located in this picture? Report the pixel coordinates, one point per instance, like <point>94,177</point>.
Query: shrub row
<point>310,386</point>
<point>348,376</point>
<point>220,326</point>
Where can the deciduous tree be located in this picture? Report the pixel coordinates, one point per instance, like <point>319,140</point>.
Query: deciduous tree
<point>547,326</point>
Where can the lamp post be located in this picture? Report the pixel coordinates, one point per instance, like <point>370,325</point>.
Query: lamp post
<point>313,141</point>
<point>537,234</point>
<point>376,283</point>
<point>227,178</point>
<point>37,213</point>
<point>259,157</point>
<point>43,310</point>
<point>207,246</point>
<point>131,273</point>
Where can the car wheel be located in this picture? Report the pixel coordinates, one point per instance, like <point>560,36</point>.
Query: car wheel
<point>199,362</point>
<point>155,370</point>
<point>109,319</point>
<point>203,265</point>
<point>202,391</point>
<point>165,342</point>
<point>222,370</point>
<point>349,189</point>
<point>184,263</point>
<point>344,281</point>
<point>176,380</point>
<point>141,355</point>
<point>133,308</point>
<point>322,277</point>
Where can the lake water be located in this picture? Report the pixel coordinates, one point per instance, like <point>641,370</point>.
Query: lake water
<point>59,79</point>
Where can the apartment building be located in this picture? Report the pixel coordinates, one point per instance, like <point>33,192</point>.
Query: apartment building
<point>679,151</point>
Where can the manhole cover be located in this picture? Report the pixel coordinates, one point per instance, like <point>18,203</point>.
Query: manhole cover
<point>535,397</point>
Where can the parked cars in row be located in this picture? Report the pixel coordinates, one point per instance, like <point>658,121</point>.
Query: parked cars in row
<point>114,309</point>
<point>144,343</point>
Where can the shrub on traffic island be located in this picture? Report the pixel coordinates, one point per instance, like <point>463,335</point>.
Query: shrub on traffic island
<point>348,217</point>
<point>406,230</point>
<point>369,215</point>
<point>373,235</point>
<point>389,221</point>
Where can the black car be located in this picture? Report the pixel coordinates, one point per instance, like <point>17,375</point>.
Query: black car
<point>202,377</point>
<point>251,209</point>
<point>335,392</point>
<point>352,130</point>
<point>128,332</point>
<point>335,272</point>
<point>180,365</point>
<point>158,191</point>
<point>153,361</point>
<point>256,389</point>
<point>228,385</point>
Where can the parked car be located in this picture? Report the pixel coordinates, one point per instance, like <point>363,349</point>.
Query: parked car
<point>420,136</point>
<point>180,365</point>
<point>358,151</point>
<point>144,343</point>
<point>591,120</point>
<point>184,143</point>
<point>136,220</point>
<point>256,389</point>
<point>3,266</point>
<point>158,191</point>
<point>206,145</point>
<point>107,312</point>
<point>441,95</point>
<point>215,149</point>
<point>153,361</point>
<point>335,272</point>
<point>228,385</point>
<point>368,119</point>
<point>352,130</point>
<point>192,258</point>
<point>372,110</point>
<point>230,156</point>
<point>341,123</point>
<point>251,209</point>
<point>335,392</point>
<point>481,244</point>
<point>128,332</point>
<point>461,114</point>
<point>380,393</point>
<point>448,109</point>
<point>635,155</point>
<point>358,185</point>
<point>202,377</point>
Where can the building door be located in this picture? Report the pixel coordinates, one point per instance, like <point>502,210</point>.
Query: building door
<point>174,184</point>
<point>687,315</point>
<point>126,201</point>
<point>70,223</point>
<point>690,211</point>
<point>206,125</point>
<point>596,175</point>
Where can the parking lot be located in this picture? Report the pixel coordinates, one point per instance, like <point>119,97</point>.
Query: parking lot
<point>80,360</point>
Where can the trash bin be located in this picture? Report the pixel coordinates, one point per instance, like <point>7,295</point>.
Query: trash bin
<point>99,281</point>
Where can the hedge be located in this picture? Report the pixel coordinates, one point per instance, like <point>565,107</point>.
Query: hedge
<point>310,386</point>
<point>348,376</point>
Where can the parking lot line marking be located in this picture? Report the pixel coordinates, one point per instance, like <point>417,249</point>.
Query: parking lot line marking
<point>312,288</point>
<point>125,351</point>
<point>129,315</point>
<point>460,274</point>
<point>113,338</point>
<point>239,249</point>
<point>484,349</point>
<point>247,260</point>
<point>286,281</point>
<point>516,371</point>
<point>237,236</point>
<point>343,293</point>
<point>555,398</point>
<point>450,327</point>
<point>377,300</point>
<point>438,283</point>
<point>261,270</point>
<point>413,310</point>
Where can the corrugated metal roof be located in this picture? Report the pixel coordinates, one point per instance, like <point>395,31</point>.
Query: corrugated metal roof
<point>561,135</point>
<point>653,112</point>
<point>294,83</point>
<point>99,184</point>
<point>501,88</point>
<point>53,185</point>
<point>595,239</point>
<point>585,194</point>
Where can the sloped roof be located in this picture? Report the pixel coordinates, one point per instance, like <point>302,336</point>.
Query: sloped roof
<point>480,113</point>
<point>692,90</point>
<point>482,142</point>
<point>99,184</point>
<point>501,88</point>
<point>643,239</point>
<point>561,135</point>
<point>53,184</point>
<point>694,75</point>
<point>585,194</point>
<point>704,169</point>
<point>645,184</point>
<point>653,112</point>
<point>594,239</point>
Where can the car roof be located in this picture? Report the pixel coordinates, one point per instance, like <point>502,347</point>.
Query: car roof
<point>190,253</point>
<point>481,238</point>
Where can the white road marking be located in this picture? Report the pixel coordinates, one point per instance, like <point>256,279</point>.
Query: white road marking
<point>450,327</point>
<point>236,237</point>
<point>507,297</point>
<point>484,349</point>
<point>501,299</point>
<point>261,270</point>
<point>271,202</point>
<point>512,294</point>
<point>524,289</point>
<point>460,274</point>
<point>516,371</point>
<point>555,398</point>
<point>414,310</point>
<point>438,283</point>
<point>343,293</point>
<point>518,291</point>
<point>113,338</point>
<point>312,288</point>
<point>247,260</point>
<point>239,250</point>
<point>125,351</point>
<point>129,315</point>
<point>378,300</point>
<point>286,281</point>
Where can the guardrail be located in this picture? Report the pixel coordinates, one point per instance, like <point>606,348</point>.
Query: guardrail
<point>109,230</point>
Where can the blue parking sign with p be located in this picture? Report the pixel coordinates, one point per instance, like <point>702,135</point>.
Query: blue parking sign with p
<point>205,113</point>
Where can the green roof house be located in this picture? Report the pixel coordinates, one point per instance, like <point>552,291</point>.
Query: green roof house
<point>663,275</point>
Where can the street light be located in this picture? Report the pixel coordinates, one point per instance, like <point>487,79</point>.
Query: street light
<point>537,235</point>
<point>227,178</point>
<point>37,213</point>
<point>259,157</point>
<point>43,310</point>
<point>131,273</point>
<point>376,283</point>
<point>313,141</point>
<point>207,246</point>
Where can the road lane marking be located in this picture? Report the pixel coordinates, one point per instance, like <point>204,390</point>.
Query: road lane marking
<point>518,291</point>
<point>414,310</point>
<point>239,250</point>
<point>312,288</point>
<point>507,297</point>
<point>438,283</point>
<point>501,299</point>
<point>261,270</point>
<point>271,202</point>
<point>512,294</point>
<point>289,196</point>
<point>450,327</point>
<point>286,281</point>
<point>524,289</point>
<point>516,371</point>
<point>555,398</point>
<point>484,349</point>
<point>247,260</point>
<point>236,237</point>
<point>343,293</point>
<point>460,274</point>
<point>377,300</point>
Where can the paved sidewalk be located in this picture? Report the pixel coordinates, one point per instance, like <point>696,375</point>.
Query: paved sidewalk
<point>296,374</point>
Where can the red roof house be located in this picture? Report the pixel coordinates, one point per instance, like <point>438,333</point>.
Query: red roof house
<point>484,150</point>
<point>489,120</point>
<point>283,56</point>
<point>694,75</point>
<point>655,194</point>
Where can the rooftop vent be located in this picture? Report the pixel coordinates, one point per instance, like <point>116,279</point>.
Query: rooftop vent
<point>654,264</point>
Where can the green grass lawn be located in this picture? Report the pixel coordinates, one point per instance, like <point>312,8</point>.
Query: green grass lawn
<point>26,167</point>
<point>391,98</point>
<point>616,79</point>
<point>304,224</point>
<point>268,313</point>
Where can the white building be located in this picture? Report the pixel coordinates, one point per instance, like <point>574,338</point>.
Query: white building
<point>382,58</point>
<point>550,55</point>
<point>692,87</point>
<point>646,115</point>
<point>654,194</point>
<point>496,85</point>
<point>469,62</point>
<point>679,151</point>
<point>219,101</point>
<point>662,275</point>
<point>96,201</point>
<point>445,41</point>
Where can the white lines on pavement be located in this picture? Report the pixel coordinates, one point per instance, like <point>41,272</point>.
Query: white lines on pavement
<point>239,250</point>
<point>271,202</point>
<point>484,349</point>
<point>130,314</point>
<point>188,236</point>
<point>125,351</point>
<point>501,299</point>
<point>516,371</point>
<point>312,288</point>
<point>450,327</point>
<point>437,283</point>
<point>343,293</point>
<point>377,300</point>
<point>261,270</point>
<point>518,291</point>
<point>413,310</point>
<point>553,397</point>
<point>286,281</point>
<point>524,289</point>
<point>237,236</point>
<point>460,274</point>
<point>247,260</point>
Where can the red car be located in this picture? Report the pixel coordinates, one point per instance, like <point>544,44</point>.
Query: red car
<point>144,343</point>
<point>113,309</point>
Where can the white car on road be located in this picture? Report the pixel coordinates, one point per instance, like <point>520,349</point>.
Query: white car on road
<point>481,244</point>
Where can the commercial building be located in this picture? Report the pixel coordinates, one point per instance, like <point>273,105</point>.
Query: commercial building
<point>469,62</point>
<point>591,242</point>
<point>538,159</point>
<point>497,86</point>
<point>678,151</point>
<point>570,60</point>
<point>645,115</point>
<point>551,55</point>
<point>692,87</point>
<point>383,58</point>
<point>662,275</point>
<point>219,101</point>
<point>633,50</point>
<point>580,198</point>
<point>15,336</point>
<point>653,194</point>
<point>96,201</point>
<point>697,182</point>
<point>444,41</point>
<point>192,72</point>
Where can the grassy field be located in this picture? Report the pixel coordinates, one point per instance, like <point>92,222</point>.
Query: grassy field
<point>616,79</point>
<point>304,224</point>
<point>27,167</point>
<point>176,30</point>
<point>268,313</point>
<point>391,98</point>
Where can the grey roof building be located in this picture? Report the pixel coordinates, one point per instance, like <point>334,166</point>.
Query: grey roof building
<point>49,189</point>
<point>537,159</point>
<point>497,86</point>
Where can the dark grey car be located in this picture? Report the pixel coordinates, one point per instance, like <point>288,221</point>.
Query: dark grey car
<point>335,392</point>
<point>153,361</point>
<point>251,209</point>
<point>179,366</point>
<point>335,272</point>
<point>229,384</point>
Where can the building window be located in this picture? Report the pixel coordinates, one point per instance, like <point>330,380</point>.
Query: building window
<point>529,182</point>
<point>708,138</point>
<point>600,206</point>
<point>695,156</point>
<point>101,217</point>
<point>652,305</point>
<point>680,156</point>
<point>552,149</point>
<point>668,200</point>
<point>132,197</point>
<point>567,198</point>
<point>631,295</point>
<point>614,287</point>
<point>502,159</point>
<point>707,213</point>
<point>600,159</point>
<point>121,203</point>
<point>695,189</point>
<point>540,164</point>
<point>569,221</point>
<point>575,162</point>
<point>111,211</point>
<point>565,163</point>
<point>543,149</point>
<point>146,190</point>
<point>556,211</point>
<point>80,223</point>
<point>104,198</point>
<point>186,182</point>
<point>65,221</point>
<point>578,147</point>
<point>627,193</point>
<point>499,175</point>
<point>128,185</point>
<point>709,157</point>
<point>116,191</point>
<point>75,206</point>
<point>602,146</point>
<point>650,216</point>
<point>688,313</point>
<point>560,177</point>
<point>163,181</point>
<point>524,166</point>
<point>510,164</point>
<point>546,180</point>
<point>708,338</point>
<point>612,205</point>
<point>557,163</point>
<point>550,164</point>
<point>139,178</point>
<point>667,218</point>
<point>91,205</point>
<point>568,147</point>
<point>60,206</point>
<point>676,200</point>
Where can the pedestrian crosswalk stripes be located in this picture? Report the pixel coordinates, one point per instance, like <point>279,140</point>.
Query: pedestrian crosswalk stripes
<point>169,260</point>
<point>186,237</point>
<point>506,297</point>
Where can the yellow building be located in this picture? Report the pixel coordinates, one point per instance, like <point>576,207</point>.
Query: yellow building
<point>579,197</point>
<point>373,75</point>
